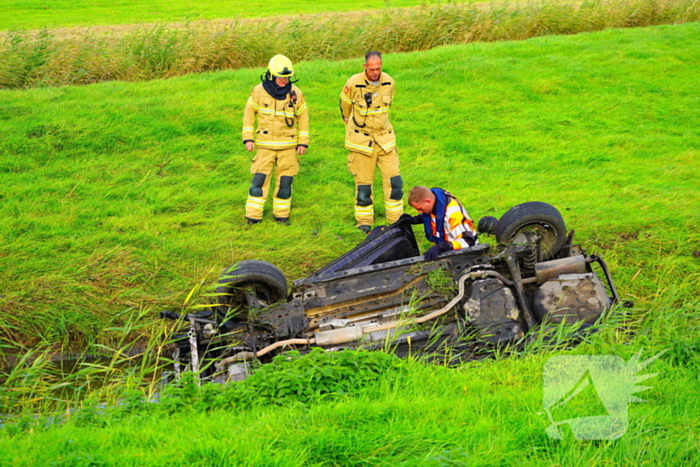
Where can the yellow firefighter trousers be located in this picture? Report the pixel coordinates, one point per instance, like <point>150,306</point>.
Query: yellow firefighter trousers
<point>264,162</point>
<point>362,167</point>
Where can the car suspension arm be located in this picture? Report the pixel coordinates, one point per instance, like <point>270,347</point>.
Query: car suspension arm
<point>518,285</point>
<point>471,275</point>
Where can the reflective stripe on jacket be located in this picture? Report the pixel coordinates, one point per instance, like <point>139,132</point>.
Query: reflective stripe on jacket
<point>368,124</point>
<point>455,223</point>
<point>273,131</point>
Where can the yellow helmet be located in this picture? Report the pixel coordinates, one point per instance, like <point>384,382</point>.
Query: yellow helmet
<point>280,67</point>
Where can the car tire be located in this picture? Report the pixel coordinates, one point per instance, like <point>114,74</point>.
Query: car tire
<point>265,280</point>
<point>535,216</point>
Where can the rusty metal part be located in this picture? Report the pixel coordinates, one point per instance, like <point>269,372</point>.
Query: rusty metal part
<point>572,298</point>
<point>608,277</point>
<point>493,311</point>
<point>251,355</point>
<point>549,269</point>
<point>339,336</point>
<point>512,262</point>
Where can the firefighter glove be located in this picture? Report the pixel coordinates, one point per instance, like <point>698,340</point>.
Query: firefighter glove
<point>411,220</point>
<point>471,241</point>
<point>434,251</point>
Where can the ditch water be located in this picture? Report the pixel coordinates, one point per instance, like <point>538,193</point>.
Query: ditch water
<point>74,376</point>
<point>71,378</point>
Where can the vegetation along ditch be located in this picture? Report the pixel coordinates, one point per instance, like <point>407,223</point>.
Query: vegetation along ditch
<point>54,57</point>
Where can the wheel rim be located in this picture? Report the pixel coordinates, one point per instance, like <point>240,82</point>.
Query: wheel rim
<point>544,231</point>
<point>243,298</point>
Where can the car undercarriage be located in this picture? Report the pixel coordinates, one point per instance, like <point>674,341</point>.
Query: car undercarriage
<point>383,295</point>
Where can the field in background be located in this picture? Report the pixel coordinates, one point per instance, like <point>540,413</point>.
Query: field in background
<point>36,14</point>
<point>123,195</point>
<point>55,57</point>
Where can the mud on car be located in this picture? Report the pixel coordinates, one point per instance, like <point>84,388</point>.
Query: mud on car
<point>384,295</point>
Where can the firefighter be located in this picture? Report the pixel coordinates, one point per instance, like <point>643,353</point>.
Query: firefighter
<point>282,134</point>
<point>447,224</point>
<point>365,102</point>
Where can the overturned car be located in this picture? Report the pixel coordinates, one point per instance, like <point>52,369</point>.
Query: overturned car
<point>384,295</point>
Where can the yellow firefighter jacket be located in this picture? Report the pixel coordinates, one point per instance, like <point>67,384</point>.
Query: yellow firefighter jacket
<point>366,106</point>
<point>277,120</point>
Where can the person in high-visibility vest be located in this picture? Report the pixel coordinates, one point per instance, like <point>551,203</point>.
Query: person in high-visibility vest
<point>447,224</point>
<point>365,102</point>
<point>281,136</point>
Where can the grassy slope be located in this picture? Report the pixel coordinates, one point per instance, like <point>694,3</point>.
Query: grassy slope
<point>483,414</point>
<point>604,126</point>
<point>72,56</point>
<point>34,14</point>
<point>127,195</point>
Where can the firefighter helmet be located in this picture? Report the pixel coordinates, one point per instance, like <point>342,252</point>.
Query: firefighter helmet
<point>280,67</point>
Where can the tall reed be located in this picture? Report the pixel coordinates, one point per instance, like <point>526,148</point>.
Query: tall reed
<point>47,378</point>
<point>50,58</point>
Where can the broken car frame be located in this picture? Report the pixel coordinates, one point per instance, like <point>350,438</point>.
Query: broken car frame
<point>384,290</point>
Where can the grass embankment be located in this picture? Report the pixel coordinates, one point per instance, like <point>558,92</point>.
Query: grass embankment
<point>384,413</point>
<point>125,196</point>
<point>121,197</point>
<point>52,57</point>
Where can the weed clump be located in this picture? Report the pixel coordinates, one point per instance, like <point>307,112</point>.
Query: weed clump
<point>290,378</point>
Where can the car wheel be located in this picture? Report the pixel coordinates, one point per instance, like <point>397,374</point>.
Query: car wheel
<point>538,217</point>
<point>249,284</point>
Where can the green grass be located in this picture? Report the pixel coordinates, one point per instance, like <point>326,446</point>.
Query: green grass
<point>119,199</point>
<point>54,57</point>
<point>121,196</point>
<point>35,14</point>
<point>482,414</point>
